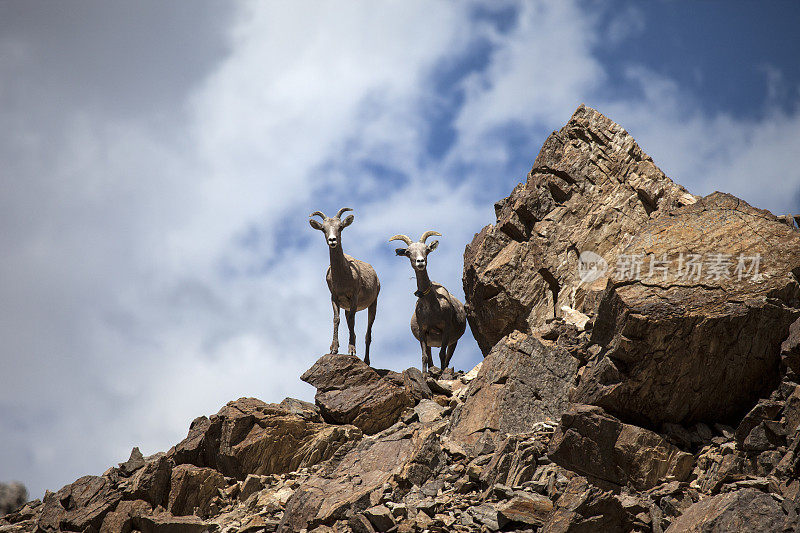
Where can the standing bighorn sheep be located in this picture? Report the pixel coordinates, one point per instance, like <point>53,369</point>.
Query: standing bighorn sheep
<point>353,284</point>
<point>439,318</point>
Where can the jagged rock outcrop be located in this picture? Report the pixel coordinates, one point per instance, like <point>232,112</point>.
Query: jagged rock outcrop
<point>685,412</point>
<point>249,436</point>
<point>699,344</point>
<point>350,392</point>
<point>591,188</point>
<point>698,294</point>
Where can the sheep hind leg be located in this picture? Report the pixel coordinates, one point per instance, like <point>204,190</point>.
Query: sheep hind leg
<point>372,310</point>
<point>335,343</point>
<point>351,325</point>
<point>450,350</point>
<point>426,353</point>
<point>443,353</point>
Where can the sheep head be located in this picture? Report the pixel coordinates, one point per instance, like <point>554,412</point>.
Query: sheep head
<point>417,252</point>
<point>331,227</point>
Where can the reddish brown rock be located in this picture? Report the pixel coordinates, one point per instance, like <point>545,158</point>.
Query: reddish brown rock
<point>150,482</point>
<point>350,392</point>
<point>522,381</point>
<point>591,188</point>
<point>347,484</point>
<point>192,488</point>
<point>743,511</point>
<point>166,523</point>
<point>121,520</point>
<point>593,443</point>
<point>79,505</point>
<point>584,507</point>
<point>532,509</point>
<point>693,348</point>
<point>515,460</point>
<point>249,436</point>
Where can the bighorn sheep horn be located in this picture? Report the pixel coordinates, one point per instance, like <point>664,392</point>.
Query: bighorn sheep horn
<point>428,234</point>
<point>342,210</point>
<point>318,213</point>
<point>405,238</point>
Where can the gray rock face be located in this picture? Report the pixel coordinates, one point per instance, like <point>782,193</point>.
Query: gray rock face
<point>591,188</point>
<point>692,347</point>
<point>522,381</point>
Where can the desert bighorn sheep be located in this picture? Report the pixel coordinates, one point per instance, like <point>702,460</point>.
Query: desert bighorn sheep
<point>353,284</point>
<point>439,318</point>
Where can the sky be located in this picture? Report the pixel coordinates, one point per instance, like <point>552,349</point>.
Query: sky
<point>158,163</point>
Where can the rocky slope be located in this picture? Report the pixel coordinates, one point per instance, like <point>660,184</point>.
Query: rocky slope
<point>658,394</point>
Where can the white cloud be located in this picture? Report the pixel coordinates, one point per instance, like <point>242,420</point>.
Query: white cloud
<point>538,74</point>
<point>751,158</point>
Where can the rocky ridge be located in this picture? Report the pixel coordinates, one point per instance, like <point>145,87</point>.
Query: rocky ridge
<point>659,402</point>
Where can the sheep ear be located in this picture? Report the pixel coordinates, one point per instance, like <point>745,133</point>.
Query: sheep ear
<point>400,251</point>
<point>347,221</point>
<point>432,246</point>
<point>315,224</point>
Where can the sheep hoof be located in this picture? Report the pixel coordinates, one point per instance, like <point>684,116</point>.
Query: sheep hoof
<point>334,349</point>
<point>351,349</point>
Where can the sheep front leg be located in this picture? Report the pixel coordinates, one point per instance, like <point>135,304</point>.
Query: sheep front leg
<point>425,352</point>
<point>335,343</point>
<point>372,310</point>
<point>350,315</point>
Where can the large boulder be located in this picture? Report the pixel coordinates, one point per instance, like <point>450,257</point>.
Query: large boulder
<point>693,324</point>
<point>584,507</point>
<point>591,188</point>
<point>192,488</point>
<point>746,510</point>
<point>79,506</point>
<point>121,519</point>
<point>350,392</point>
<point>353,482</point>
<point>593,443</point>
<point>523,380</point>
<point>150,482</point>
<point>248,436</point>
